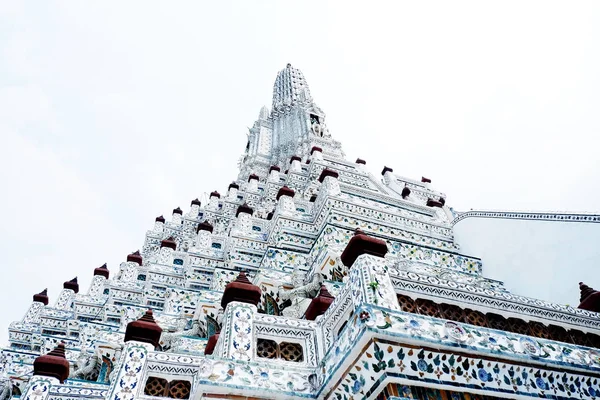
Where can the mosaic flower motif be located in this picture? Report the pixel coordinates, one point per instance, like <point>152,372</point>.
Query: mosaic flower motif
<point>364,316</point>
<point>262,377</point>
<point>356,386</point>
<point>455,331</point>
<point>483,375</point>
<point>540,383</point>
<point>530,346</point>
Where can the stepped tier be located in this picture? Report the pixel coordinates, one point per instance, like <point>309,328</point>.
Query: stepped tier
<point>323,281</point>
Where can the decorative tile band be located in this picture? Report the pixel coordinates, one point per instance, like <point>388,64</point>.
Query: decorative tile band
<point>479,359</point>
<point>387,362</point>
<point>537,216</point>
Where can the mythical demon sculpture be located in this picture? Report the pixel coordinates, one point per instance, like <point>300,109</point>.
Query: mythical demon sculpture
<point>87,367</point>
<point>301,295</point>
<point>169,339</point>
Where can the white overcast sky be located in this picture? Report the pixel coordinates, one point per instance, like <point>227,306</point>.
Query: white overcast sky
<point>112,113</point>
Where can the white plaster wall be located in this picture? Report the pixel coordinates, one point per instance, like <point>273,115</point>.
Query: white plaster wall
<point>540,259</point>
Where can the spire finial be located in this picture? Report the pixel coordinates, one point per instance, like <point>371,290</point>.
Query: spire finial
<point>54,364</point>
<point>585,291</point>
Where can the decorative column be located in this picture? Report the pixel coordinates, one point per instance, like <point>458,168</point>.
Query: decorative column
<point>65,298</point>
<point>176,217</point>
<point>295,165</point>
<point>316,153</point>
<point>101,274</point>
<point>232,191</point>
<point>236,339</point>
<point>195,208</point>
<point>167,247</point>
<point>48,370</point>
<point>252,183</point>
<point>129,269</point>
<point>285,201</point>
<point>159,224</point>
<point>244,218</point>
<point>141,337</point>
<point>32,316</point>
<point>329,183</point>
<point>274,173</point>
<point>203,235</point>
<point>369,279</point>
<point>213,200</point>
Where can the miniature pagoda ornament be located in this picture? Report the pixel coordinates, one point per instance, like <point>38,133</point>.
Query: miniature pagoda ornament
<point>144,330</point>
<point>53,364</point>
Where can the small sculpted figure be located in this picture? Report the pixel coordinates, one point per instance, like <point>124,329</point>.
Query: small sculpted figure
<point>87,367</point>
<point>301,295</point>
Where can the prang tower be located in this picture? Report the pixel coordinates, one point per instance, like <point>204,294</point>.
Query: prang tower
<point>308,278</point>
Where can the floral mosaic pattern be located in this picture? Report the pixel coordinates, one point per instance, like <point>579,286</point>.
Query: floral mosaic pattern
<point>361,342</point>
<point>282,260</point>
<point>238,331</point>
<point>371,283</point>
<point>130,367</point>
<point>422,365</point>
<point>221,278</point>
<point>507,363</point>
<point>39,388</point>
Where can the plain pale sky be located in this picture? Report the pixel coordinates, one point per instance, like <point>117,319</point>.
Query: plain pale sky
<point>112,113</point>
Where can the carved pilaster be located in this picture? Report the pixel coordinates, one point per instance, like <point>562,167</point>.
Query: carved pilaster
<point>128,385</point>
<point>244,223</point>
<point>237,332</point>
<point>159,226</point>
<point>295,166</point>
<point>330,186</point>
<point>97,286</point>
<point>38,387</point>
<point>286,206</point>
<point>370,283</point>
<point>129,271</point>
<point>64,300</point>
<point>165,256</point>
<point>203,239</point>
<point>33,313</point>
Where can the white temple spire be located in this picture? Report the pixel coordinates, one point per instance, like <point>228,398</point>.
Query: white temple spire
<point>293,126</point>
<point>290,88</point>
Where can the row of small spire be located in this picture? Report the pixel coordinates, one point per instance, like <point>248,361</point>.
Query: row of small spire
<point>234,185</point>
<point>146,330</point>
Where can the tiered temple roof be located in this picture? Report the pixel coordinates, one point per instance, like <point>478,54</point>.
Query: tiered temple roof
<point>323,281</point>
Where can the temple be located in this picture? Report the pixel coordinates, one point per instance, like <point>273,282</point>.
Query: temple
<point>308,278</point>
